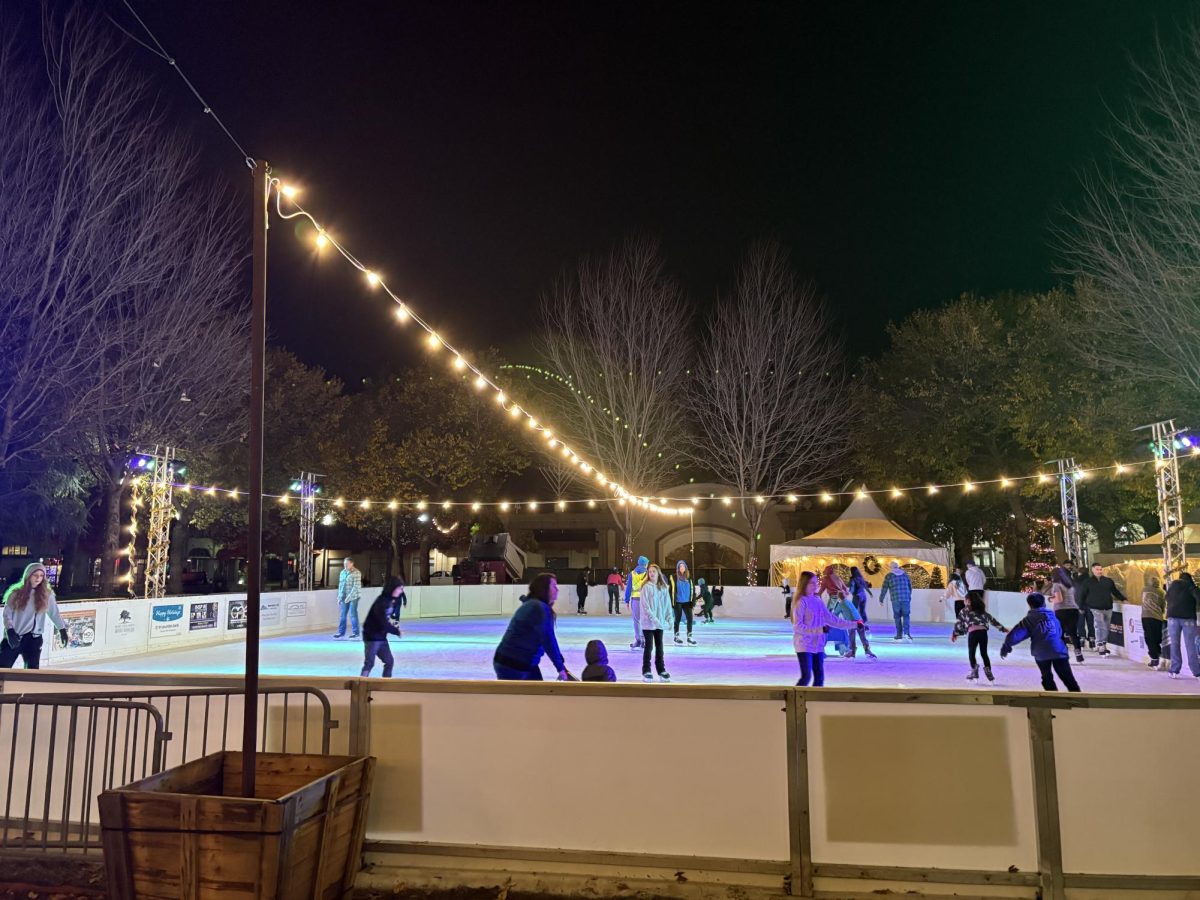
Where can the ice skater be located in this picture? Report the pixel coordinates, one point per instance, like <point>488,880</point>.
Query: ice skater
<point>27,606</point>
<point>530,635</point>
<point>614,591</point>
<point>348,594</point>
<point>840,604</point>
<point>706,601</point>
<point>1046,644</point>
<point>955,591</point>
<point>810,618</point>
<point>655,619</point>
<point>1097,595</point>
<point>1061,595</point>
<point>1154,620</point>
<point>378,625</point>
<point>974,621</point>
<point>899,586</point>
<point>581,592</point>
<point>633,599</point>
<point>684,600</point>
<point>786,588</point>
<point>1183,600</point>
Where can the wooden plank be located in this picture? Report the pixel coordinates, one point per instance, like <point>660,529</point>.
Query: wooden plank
<point>363,801</point>
<point>116,847</point>
<point>323,844</point>
<point>189,871</point>
<point>799,805</point>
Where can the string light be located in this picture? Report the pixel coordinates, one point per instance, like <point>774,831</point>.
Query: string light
<point>372,279</point>
<point>402,313</point>
<point>897,493</point>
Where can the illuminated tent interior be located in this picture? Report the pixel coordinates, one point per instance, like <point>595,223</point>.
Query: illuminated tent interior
<point>1132,565</point>
<point>861,536</point>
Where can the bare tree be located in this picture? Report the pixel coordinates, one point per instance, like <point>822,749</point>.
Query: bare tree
<point>776,411</point>
<point>118,271</point>
<point>563,479</point>
<point>617,329</point>
<point>1136,239</point>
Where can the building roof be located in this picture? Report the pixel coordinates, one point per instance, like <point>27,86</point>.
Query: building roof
<point>863,524</point>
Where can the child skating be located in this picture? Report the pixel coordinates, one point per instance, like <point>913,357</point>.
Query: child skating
<point>974,621</point>
<point>1046,644</point>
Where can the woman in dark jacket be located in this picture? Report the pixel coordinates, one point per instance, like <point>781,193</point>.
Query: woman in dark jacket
<point>530,634</point>
<point>378,625</point>
<point>1182,599</point>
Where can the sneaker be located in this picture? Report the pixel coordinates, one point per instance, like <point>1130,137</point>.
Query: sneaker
<point>988,672</point>
<point>663,676</point>
<point>646,676</point>
<point>898,637</point>
<point>871,655</point>
<point>908,637</point>
<point>1153,664</point>
<point>690,641</point>
<point>354,637</point>
<point>678,639</point>
<point>1172,674</point>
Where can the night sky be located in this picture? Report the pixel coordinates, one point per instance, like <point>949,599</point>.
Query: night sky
<point>903,152</point>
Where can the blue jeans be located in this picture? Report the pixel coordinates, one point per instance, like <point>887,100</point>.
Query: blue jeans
<point>377,649</point>
<point>508,673</point>
<point>352,606</point>
<point>1183,640</point>
<point>902,612</point>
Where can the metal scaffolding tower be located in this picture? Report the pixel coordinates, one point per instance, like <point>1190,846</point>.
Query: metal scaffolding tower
<point>1165,444</point>
<point>307,488</point>
<point>158,535</point>
<point>1072,538</point>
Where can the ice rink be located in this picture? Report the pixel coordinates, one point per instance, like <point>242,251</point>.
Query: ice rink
<point>730,651</point>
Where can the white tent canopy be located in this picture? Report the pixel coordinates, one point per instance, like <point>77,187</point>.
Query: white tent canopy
<point>861,531</point>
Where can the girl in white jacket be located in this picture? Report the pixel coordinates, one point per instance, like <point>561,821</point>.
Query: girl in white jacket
<point>810,618</point>
<point>655,618</point>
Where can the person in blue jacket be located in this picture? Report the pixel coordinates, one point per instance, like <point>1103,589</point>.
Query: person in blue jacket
<point>530,634</point>
<point>1046,644</point>
<point>633,599</point>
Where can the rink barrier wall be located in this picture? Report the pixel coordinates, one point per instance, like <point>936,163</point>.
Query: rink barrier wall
<point>110,629</point>
<point>831,789</point>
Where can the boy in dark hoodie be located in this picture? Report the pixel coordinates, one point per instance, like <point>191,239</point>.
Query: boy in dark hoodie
<point>377,626</point>
<point>598,669</point>
<point>1045,644</point>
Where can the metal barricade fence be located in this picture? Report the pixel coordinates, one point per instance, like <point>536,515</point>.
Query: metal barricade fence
<point>64,749</point>
<point>62,752</point>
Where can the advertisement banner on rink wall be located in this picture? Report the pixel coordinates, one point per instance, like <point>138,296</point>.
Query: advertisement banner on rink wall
<point>270,611</point>
<point>81,628</point>
<point>127,626</point>
<point>166,620</point>
<point>235,615</point>
<point>203,616</point>
<point>297,609</point>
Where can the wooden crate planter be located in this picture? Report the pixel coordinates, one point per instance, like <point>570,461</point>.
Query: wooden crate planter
<point>185,834</point>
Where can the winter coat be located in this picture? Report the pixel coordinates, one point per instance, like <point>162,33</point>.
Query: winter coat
<point>597,668</point>
<point>633,584</point>
<point>1154,605</point>
<point>898,585</point>
<point>1182,597</point>
<point>969,620</point>
<point>530,633</point>
<point>681,589</point>
<point>810,618</point>
<point>1098,593</point>
<point>656,607</point>
<point>377,626</point>
<point>1044,633</point>
<point>860,588</point>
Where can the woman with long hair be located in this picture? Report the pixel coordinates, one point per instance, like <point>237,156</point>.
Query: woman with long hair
<point>655,617</point>
<point>27,605</point>
<point>530,634</point>
<point>810,618</point>
<point>1061,594</point>
<point>956,590</point>
<point>974,621</point>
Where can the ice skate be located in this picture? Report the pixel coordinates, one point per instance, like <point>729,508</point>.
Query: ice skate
<point>987,670</point>
<point>663,676</point>
<point>974,675</point>
<point>690,641</point>
<point>678,639</point>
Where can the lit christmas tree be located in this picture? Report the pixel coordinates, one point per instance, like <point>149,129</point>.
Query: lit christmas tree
<point>1040,563</point>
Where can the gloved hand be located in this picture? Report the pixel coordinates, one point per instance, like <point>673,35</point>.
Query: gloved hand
<point>12,638</point>
<point>1004,651</point>
<point>64,637</point>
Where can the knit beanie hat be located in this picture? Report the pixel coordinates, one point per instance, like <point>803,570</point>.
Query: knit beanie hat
<point>34,567</point>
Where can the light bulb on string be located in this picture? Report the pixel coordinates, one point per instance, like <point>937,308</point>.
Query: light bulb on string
<point>1120,469</point>
<point>932,489</point>
<point>514,411</point>
<point>446,504</point>
<point>504,506</point>
<point>968,487</point>
<point>500,397</point>
<point>533,506</point>
<point>562,504</point>
<point>433,341</point>
<point>475,507</point>
<point>480,382</point>
<point>393,505</point>
<point>591,504</point>
<point>321,240</point>
<point>826,497</point>
<point>422,505</point>
<point>896,492</point>
<point>366,504</point>
<point>531,422</point>
<point>288,190</point>
<point>1004,482</point>
<point>372,279</point>
<point>401,314</point>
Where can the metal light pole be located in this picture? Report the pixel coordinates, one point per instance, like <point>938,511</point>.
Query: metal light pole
<point>1170,498</point>
<point>258,346</point>
<point>1072,537</point>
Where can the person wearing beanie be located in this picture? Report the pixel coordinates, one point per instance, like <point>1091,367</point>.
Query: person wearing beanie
<point>633,599</point>
<point>27,605</point>
<point>1046,644</point>
<point>378,625</point>
<point>898,586</point>
<point>597,669</point>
